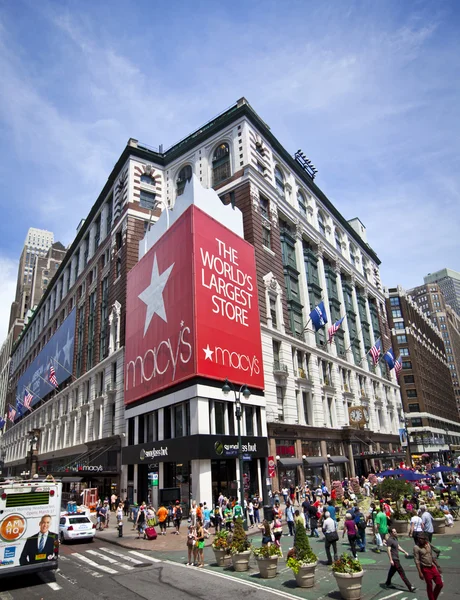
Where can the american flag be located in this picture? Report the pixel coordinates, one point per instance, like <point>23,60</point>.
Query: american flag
<point>11,413</point>
<point>2,422</point>
<point>334,328</point>
<point>28,397</point>
<point>52,377</point>
<point>398,366</point>
<point>375,352</point>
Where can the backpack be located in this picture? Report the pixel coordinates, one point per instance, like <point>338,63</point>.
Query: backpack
<point>178,513</point>
<point>360,522</point>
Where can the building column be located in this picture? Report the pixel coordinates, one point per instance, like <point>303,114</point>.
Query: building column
<point>201,481</point>
<point>362,349</point>
<point>346,332</point>
<point>303,284</point>
<point>326,471</point>
<point>351,459</point>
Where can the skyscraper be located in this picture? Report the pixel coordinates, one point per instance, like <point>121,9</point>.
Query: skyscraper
<point>449,283</point>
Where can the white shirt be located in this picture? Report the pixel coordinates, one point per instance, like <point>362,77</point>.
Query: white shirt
<point>329,525</point>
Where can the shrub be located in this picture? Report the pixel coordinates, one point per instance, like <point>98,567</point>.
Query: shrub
<point>436,513</point>
<point>394,489</point>
<point>240,542</point>
<point>301,554</point>
<point>401,516</point>
<point>346,564</point>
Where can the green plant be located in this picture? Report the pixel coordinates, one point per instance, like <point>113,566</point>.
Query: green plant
<point>436,513</point>
<point>240,542</point>
<point>221,541</point>
<point>346,564</point>
<point>400,516</point>
<point>301,554</point>
<point>267,551</point>
<point>394,489</point>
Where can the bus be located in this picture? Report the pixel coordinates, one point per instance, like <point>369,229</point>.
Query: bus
<point>29,526</point>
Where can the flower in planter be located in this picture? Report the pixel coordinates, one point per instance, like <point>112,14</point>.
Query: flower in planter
<point>346,564</point>
<point>302,554</point>
<point>222,541</point>
<point>240,542</point>
<point>267,551</point>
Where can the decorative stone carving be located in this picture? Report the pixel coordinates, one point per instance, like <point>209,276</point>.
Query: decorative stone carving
<point>255,198</point>
<point>274,213</point>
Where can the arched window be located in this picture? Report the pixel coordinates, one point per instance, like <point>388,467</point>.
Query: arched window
<point>185,174</point>
<point>353,255</point>
<point>147,179</point>
<point>301,202</point>
<point>321,223</point>
<point>279,181</point>
<point>221,164</point>
<point>338,241</point>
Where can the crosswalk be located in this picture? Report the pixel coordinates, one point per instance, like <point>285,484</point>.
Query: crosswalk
<point>97,564</point>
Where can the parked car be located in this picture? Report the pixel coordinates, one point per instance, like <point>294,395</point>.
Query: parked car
<point>76,527</point>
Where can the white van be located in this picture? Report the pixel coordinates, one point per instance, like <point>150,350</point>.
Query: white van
<point>29,526</point>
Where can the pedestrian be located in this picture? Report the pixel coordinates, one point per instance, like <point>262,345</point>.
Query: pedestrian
<point>170,518</point>
<point>427,522</point>
<point>367,488</point>
<point>217,518</point>
<point>162,516</point>
<point>126,507</point>
<point>134,513</point>
<point>285,492</point>
<point>393,549</point>
<point>192,514</point>
<point>177,516</point>
<point>267,536</point>
<point>277,531</point>
<point>140,522</point>
<point>360,521</point>
<point>206,516</point>
<point>325,491</point>
<point>380,528</point>
<point>120,514</point>
<point>297,494</point>
<point>292,493</point>
<point>425,556</point>
<point>113,500</point>
<point>290,518</point>
<point>251,513</point>
<point>256,505</point>
<point>416,526</point>
<point>228,516</point>
<point>191,545</point>
<point>313,516</point>
<point>331,536</point>
<point>200,542</point>
<point>351,531</point>
<point>306,512</point>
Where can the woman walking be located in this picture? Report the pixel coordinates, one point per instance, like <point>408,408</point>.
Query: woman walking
<point>191,545</point>
<point>350,529</point>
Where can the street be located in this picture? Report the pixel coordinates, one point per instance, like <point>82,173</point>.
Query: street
<point>101,569</point>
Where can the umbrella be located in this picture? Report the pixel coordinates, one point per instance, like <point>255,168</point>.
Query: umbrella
<point>411,476</point>
<point>441,469</point>
<point>392,472</point>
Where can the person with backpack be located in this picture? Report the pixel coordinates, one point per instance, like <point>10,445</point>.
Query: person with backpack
<point>140,522</point>
<point>360,521</point>
<point>177,516</point>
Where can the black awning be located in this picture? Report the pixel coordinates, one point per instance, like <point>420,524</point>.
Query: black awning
<point>338,460</point>
<point>71,479</point>
<point>290,462</point>
<point>315,461</point>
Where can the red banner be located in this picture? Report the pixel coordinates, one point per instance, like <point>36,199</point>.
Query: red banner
<point>192,309</point>
<point>271,466</point>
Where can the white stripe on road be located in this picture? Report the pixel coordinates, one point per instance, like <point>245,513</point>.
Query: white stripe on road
<point>54,586</point>
<point>123,556</point>
<point>257,586</point>
<point>110,560</point>
<point>392,596</point>
<point>144,556</point>
<point>94,564</point>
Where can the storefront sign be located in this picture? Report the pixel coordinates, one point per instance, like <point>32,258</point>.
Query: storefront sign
<point>195,447</point>
<point>192,309</point>
<point>271,467</point>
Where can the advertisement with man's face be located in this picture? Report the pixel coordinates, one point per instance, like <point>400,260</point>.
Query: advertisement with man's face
<point>29,532</point>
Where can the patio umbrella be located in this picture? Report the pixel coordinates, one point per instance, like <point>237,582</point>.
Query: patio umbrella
<point>392,472</point>
<point>411,476</point>
<point>441,469</point>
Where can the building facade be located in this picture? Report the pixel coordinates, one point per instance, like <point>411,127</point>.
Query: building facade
<point>433,422</point>
<point>449,283</point>
<point>430,299</point>
<point>327,411</point>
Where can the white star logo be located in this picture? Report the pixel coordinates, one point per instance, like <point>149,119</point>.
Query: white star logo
<point>66,349</point>
<point>208,353</point>
<point>152,296</point>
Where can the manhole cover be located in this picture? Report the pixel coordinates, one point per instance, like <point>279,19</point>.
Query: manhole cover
<point>146,564</point>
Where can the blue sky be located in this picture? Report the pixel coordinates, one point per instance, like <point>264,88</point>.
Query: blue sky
<point>369,90</point>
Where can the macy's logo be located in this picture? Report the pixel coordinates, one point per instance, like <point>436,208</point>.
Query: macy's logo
<point>243,362</point>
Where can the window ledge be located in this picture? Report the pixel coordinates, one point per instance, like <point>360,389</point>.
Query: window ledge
<point>269,250</point>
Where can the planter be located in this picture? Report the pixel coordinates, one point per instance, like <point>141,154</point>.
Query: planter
<point>305,578</point>
<point>401,526</point>
<point>350,585</point>
<point>439,525</point>
<point>267,566</point>
<point>223,559</point>
<point>240,561</point>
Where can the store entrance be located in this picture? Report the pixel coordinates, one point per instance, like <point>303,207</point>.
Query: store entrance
<point>223,475</point>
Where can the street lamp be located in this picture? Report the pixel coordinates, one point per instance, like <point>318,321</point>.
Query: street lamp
<point>226,389</point>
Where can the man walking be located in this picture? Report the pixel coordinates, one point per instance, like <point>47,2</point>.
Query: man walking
<point>360,521</point>
<point>425,556</point>
<point>427,521</point>
<point>290,518</point>
<point>393,549</point>
<point>331,536</point>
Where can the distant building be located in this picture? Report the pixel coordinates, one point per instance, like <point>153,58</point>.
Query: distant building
<point>449,283</point>
<point>430,299</point>
<point>427,393</point>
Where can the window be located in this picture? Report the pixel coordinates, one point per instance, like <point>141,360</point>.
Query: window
<point>409,379</point>
<point>321,224</point>
<point>411,393</point>
<point>104,318</point>
<point>221,164</point>
<point>147,179</point>
<point>416,422</point>
<point>353,254</point>
<point>396,313</point>
<point>301,202</point>
<point>91,329</point>
<point>219,417</point>
<point>249,419</point>
<point>178,423</point>
<point>414,408</point>
<point>264,207</point>
<point>273,313</point>
<point>401,339</point>
<point>394,302</point>
<point>404,351</point>
<point>266,237</point>
<point>338,241</point>
<point>147,200</point>
<point>280,402</point>
<point>407,364</point>
<point>400,325</point>
<point>185,175</point>
<point>279,181</point>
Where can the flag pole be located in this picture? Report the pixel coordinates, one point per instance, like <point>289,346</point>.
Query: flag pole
<point>380,356</point>
<point>62,367</point>
<point>48,382</point>
<point>353,341</point>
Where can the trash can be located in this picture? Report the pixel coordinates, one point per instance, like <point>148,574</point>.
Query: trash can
<point>268,513</point>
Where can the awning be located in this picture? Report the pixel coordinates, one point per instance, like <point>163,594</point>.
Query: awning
<point>290,462</point>
<point>338,460</point>
<point>71,479</point>
<point>315,461</point>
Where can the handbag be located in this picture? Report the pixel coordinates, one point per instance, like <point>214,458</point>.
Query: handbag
<point>332,536</point>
